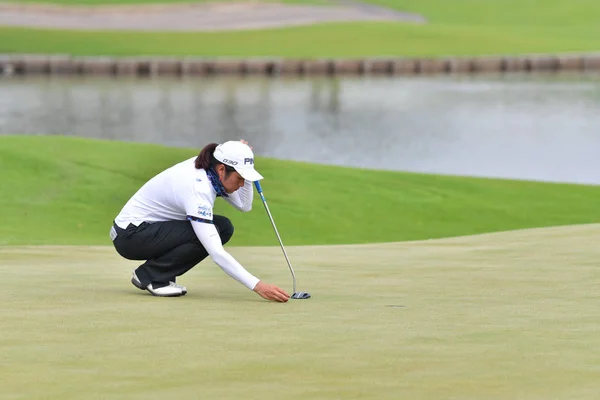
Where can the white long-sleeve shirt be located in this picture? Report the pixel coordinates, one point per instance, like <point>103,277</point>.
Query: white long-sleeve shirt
<point>242,198</point>
<point>184,192</point>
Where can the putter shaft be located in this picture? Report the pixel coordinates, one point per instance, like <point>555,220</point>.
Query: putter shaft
<point>262,196</point>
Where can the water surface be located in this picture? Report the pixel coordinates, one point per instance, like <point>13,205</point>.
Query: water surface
<point>543,127</point>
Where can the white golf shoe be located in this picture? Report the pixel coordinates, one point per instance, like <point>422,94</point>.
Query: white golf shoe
<point>173,290</point>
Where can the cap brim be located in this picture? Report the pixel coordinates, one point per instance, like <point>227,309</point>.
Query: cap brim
<point>249,174</point>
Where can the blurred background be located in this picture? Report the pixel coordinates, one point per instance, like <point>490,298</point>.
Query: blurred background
<point>522,125</point>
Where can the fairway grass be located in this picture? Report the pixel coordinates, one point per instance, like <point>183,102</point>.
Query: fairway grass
<point>337,40</point>
<point>497,316</point>
<point>457,28</point>
<point>66,190</point>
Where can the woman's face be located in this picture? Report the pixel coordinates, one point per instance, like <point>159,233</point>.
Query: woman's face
<point>232,182</point>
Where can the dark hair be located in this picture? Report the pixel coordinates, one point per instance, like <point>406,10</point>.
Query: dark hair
<point>206,159</point>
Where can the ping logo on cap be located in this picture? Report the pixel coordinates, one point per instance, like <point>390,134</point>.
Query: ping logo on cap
<point>248,161</point>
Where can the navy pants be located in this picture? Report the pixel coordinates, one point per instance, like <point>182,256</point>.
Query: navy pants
<point>170,248</point>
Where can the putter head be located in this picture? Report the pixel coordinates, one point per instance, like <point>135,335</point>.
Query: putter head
<point>301,295</point>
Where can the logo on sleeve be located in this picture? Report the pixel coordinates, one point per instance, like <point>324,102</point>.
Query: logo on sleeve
<point>205,212</point>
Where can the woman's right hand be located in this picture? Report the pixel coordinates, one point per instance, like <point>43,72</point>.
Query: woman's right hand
<point>271,292</point>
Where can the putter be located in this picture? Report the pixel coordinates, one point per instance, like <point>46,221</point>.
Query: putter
<point>296,295</point>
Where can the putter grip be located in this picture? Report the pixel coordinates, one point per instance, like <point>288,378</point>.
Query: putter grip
<point>258,188</point>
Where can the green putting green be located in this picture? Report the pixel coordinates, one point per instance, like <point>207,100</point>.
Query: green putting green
<point>499,316</point>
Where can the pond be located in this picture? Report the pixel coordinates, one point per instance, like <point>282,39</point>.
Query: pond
<point>538,127</point>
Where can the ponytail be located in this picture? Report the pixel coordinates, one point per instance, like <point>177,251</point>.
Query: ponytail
<point>205,159</point>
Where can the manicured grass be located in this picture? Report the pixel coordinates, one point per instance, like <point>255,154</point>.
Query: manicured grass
<point>342,40</point>
<point>507,13</point>
<point>59,190</point>
<point>503,316</point>
<point>460,27</point>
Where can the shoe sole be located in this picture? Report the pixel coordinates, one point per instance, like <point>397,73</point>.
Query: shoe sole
<point>138,285</point>
<point>166,295</point>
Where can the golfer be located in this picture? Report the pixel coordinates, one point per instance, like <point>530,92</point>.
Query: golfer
<point>170,223</point>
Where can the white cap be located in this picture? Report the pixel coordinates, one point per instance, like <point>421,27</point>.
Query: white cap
<point>239,156</point>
